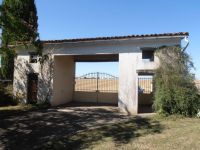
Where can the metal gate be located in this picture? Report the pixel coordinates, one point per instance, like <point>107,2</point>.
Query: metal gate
<point>145,93</point>
<point>96,87</point>
<point>145,85</point>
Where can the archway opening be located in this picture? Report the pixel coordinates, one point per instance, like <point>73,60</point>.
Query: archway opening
<point>145,93</point>
<point>96,80</point>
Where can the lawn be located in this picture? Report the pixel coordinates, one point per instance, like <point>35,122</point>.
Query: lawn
<point>165,134</point>
<point>94,128</point>
<point>148,133</point>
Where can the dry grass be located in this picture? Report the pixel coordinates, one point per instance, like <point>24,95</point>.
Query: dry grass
<point>146,85</point>
<point>112,85</point>
<point>177,133</point>
<point>19,107</point>
<point>107,85</point>
<point>143,133</point>
<point>91,85</point>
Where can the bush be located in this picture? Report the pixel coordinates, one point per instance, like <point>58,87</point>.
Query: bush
<point>175,90</point>
<point>6,97</point>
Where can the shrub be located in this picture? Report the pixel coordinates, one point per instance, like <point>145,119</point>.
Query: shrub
<point>6,97</point>
<point>175,90</point>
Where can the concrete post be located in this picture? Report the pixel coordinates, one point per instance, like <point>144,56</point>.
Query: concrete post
<point>63,80</point>
<point>127,97</point>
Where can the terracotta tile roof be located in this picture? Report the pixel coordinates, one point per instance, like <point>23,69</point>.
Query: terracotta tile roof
<point>118,37</point>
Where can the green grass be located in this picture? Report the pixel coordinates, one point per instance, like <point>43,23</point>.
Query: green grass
<point>19,107</point>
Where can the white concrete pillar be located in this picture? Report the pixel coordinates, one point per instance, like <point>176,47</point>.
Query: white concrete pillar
<point>127,97</point>
<point>20,78</point>
<point>63,80</point>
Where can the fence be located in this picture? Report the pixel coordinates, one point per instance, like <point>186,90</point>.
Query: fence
<point>96,87</point>
<point>145,85</point>
<point>97,81</point>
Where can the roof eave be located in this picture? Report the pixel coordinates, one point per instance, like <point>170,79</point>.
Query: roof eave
<point>114,39</point>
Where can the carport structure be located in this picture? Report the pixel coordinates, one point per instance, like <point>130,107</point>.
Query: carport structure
<point>92,87</point>
<point>135,55</point>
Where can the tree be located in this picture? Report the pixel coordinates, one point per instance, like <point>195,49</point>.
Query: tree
<point>18,21</point>
<point>175,92</point>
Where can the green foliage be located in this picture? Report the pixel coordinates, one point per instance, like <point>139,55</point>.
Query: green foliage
<point>6,98</point>
<point>175,92</point>
<point>7,63</point>
<point>18,21</point>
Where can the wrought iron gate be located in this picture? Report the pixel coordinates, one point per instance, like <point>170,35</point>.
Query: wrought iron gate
<point>145,94</point>
<point>96,83</point>
<point>145,85</point>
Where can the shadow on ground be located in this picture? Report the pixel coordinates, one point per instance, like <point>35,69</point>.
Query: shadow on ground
<point>71,128</point>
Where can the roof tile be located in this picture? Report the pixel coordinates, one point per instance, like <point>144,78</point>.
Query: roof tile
<point>117,37</point>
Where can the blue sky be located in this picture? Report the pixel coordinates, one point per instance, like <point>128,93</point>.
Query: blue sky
<point>62,19</point>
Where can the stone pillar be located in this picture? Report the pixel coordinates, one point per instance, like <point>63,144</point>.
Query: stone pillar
<point>127,97</point>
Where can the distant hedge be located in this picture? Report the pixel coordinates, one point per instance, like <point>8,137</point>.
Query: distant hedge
<point>175,90</point>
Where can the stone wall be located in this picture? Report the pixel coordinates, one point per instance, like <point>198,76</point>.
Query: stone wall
<point>21,70</point>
